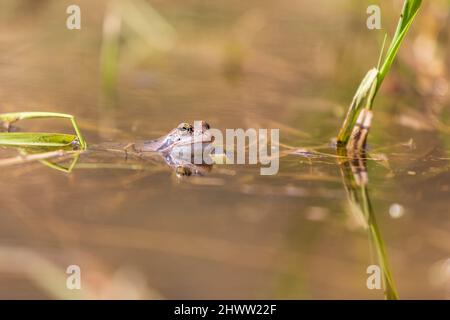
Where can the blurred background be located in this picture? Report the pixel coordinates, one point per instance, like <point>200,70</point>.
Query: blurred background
<point>138,68</point>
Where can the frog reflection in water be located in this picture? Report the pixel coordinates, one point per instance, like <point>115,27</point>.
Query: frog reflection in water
<point>178,148</point>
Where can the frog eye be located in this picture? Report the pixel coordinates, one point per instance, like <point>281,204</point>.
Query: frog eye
<point>186,127</point>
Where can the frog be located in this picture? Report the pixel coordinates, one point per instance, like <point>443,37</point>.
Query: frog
<point>177,148</point>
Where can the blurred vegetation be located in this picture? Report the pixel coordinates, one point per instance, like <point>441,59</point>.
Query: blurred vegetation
<point>131,28</point>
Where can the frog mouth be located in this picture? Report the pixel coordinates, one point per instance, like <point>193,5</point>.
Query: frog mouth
<point>165,144</point>
<point>157,145</point>
<point>161,145</point>
<point>183,149</point>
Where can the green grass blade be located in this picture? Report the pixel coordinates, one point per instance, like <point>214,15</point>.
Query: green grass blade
<point>16,116</point>
<point>37,139</point>
<point>409,12</point>
<point>410,7</point>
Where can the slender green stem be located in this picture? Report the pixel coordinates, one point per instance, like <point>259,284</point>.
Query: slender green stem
<point>409,12</point>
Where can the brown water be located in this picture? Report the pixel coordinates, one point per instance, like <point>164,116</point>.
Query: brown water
<point>232,233</point>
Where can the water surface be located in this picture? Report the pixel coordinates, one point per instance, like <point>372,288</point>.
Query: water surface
<point>232,233</point>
